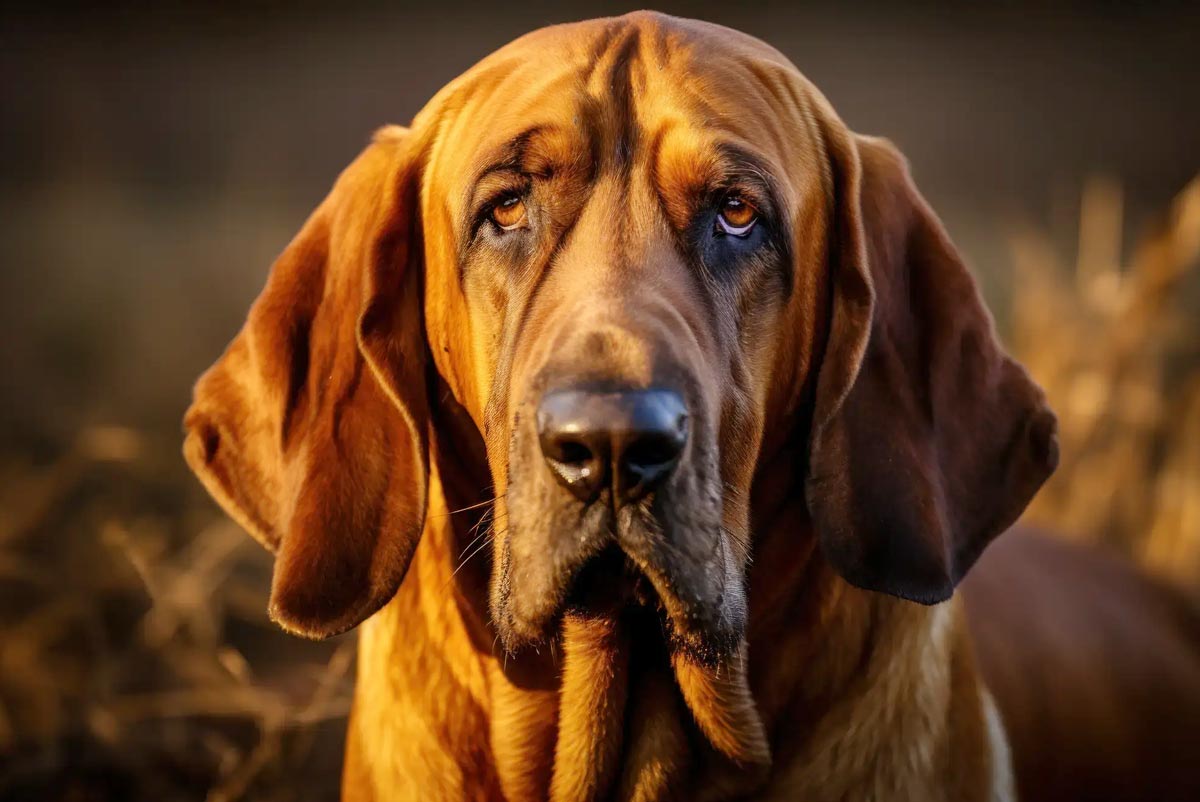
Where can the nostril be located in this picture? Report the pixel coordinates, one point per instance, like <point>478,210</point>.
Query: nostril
<point>653,452</point>
<point>653,445</point>
<point>572,452</point>
<point>576,454</point>
<point>576,465</point>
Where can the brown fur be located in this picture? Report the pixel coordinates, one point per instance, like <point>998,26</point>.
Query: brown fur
<point>1096,670</point>
<point>857,438</point>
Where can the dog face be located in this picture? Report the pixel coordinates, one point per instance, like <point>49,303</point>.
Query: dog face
<point>625,255</point>
<point>638,252</point>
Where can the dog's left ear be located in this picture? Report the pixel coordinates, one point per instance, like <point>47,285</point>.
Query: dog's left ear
<point>311,430</point>
<point>927,439</point>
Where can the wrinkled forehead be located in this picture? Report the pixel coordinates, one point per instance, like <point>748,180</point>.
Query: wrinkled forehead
<point>676,100</point>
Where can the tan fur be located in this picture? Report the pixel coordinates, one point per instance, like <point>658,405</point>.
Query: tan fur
<point>720,699</point>
<point>595,680</point>
<point>874,698</point>
<point>1002,779</point>
<point>855,427</point>
<point>658,755</point>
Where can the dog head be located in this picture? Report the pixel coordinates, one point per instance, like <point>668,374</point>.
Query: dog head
<point>637,252</point>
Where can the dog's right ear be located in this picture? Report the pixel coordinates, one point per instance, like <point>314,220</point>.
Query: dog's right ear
<point>311,430</point>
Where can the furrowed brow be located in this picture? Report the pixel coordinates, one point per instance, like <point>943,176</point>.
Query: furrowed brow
<point>508,156</point>
<point>739,164</point>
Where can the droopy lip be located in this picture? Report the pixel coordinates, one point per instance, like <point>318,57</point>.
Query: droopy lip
<point>705,628</point>
<point>624,574</point>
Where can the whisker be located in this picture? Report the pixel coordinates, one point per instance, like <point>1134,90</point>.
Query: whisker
<point>469,507</point>
<point>488,515</point>
<point>487,542</point>
<point>470,545</point>
<point>483,531</point>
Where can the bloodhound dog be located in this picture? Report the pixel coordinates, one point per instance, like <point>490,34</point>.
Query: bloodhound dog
<point>645,419</point>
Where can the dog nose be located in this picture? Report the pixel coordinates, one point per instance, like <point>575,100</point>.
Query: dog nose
<point>631,440</point>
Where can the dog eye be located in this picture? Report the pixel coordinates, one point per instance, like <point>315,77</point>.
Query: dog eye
<point>509,213</point>
<point>737,217</point>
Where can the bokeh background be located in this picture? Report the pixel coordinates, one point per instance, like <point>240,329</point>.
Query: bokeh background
<point>154,158</point>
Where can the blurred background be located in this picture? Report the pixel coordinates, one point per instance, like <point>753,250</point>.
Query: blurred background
<point>154,158</point>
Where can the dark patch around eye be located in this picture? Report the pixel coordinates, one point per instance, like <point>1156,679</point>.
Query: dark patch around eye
<point>725,257</point>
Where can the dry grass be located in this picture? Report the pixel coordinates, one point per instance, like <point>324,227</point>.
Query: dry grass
<point>136,661</point>
<point>1117,347</point>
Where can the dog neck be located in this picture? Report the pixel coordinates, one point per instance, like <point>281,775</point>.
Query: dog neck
<point>838,693</point>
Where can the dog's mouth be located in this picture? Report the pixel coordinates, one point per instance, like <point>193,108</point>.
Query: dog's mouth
<point>609,582</point>
<point>627,577</point>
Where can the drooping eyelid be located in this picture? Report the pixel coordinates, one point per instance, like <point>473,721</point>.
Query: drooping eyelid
<point>737,231</point>
<point>492,189</point>
<point>752,189</point>
<point>495,186</point>
<point>742,169</point>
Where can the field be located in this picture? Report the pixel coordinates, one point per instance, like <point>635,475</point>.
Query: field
<point>154,169</point>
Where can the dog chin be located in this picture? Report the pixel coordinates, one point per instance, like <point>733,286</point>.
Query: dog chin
<point>614,583</point>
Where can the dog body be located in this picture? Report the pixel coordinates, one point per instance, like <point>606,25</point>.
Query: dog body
<point>1096,669</point>
<point>629,402</point>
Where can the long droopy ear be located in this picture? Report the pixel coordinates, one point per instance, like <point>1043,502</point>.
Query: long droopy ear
<point>927,439</point>
<point>311,429</point>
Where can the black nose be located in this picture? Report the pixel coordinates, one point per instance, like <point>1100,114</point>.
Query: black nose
<point>629,439</point>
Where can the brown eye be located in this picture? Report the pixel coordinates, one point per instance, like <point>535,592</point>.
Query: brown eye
<point>737,216</point>
<point>509,213</point>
